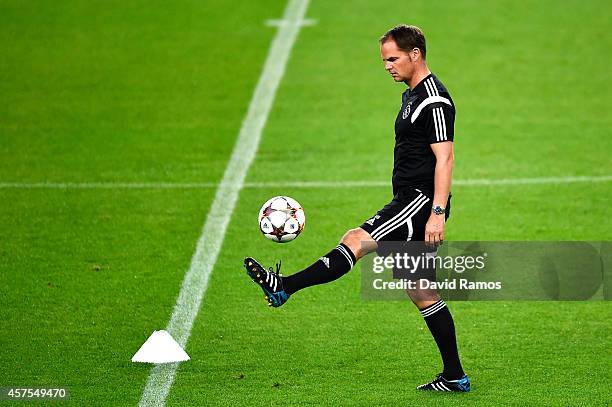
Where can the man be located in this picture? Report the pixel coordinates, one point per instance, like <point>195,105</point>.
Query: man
<point>423,161</point>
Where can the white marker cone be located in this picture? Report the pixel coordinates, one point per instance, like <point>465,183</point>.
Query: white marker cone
<point>160,348</point>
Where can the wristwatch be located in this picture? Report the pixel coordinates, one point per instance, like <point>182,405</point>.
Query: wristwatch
<point>438,210</point>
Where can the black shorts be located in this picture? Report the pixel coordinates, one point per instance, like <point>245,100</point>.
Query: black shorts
<point>404,218</point>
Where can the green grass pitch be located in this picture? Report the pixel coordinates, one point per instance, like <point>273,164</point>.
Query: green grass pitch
<point>155,92</point>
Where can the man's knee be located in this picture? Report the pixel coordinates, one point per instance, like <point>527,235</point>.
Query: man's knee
<point>359,241</point>
<point>423,298</point>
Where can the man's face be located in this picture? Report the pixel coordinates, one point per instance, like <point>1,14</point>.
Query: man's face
<point>397,62</point>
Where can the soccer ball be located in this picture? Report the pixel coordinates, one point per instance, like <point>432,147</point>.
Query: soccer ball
<point>281,219</point>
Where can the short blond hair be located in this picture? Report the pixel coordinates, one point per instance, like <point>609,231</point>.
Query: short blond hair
<point>407,38</point>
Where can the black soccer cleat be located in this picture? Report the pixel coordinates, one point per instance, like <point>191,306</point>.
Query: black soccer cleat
<point>441,384</point>
<point>270,281</point>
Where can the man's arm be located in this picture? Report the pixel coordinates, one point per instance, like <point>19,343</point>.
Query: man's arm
<point>434,230</point>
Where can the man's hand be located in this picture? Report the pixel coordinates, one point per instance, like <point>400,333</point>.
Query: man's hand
<point>434,230</point>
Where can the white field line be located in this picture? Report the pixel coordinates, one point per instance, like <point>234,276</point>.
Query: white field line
<point>295,184</point>
<point>459,182</point>
<point>277,23</point>
<point>209,244</point>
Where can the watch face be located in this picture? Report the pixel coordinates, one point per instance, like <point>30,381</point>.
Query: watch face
<point>438,210</point>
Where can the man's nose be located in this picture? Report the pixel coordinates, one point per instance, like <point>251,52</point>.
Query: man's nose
<point>388,66</point>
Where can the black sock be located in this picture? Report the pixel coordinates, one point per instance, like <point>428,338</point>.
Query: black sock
<point>440,322</point>
<point>328,268</point>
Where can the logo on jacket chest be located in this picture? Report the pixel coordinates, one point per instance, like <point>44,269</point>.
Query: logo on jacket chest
<point>406,111</point>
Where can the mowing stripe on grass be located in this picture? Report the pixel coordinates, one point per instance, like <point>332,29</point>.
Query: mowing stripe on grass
<point>209,244</point>
<point>294,184</point>
<point>107,185</point>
